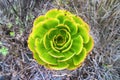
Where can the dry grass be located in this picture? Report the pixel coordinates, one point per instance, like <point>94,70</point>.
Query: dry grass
<point>103,16</point>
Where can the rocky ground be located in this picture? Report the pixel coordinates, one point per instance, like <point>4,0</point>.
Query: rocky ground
<point>16,19</point>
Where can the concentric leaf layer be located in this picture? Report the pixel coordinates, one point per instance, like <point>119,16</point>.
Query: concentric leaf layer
<point>60,40</point>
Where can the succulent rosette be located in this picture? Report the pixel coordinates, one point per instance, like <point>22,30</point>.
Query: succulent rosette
<point>60,40</point>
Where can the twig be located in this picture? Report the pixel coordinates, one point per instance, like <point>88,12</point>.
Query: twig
<point>13,8</point>
<point>74,7</point>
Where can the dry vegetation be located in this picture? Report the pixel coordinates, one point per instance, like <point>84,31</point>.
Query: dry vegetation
<point>16,18</point>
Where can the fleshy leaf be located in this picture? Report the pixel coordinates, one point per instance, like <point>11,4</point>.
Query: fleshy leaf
<point>78,59</point>
<point>84,33</point>
<point>69,54</point>
<point>53,47</point>
<point>31,43</point>
<point>68,47</point>
<point>89,45</point>
<point>72,26</point>
<point>46,42</point>
<point>61,17</point>
<point>77,44</point>
<point>51,23</point>
<point>68,41</point>
<point>43,53</point>
<point>39,19</point>
<point>52,33</point>
<point>80,21</point>
<point>37,58</point>
<point>60,66</point>
<point>52,13</point>
<point>71,64</point>
<point>56,55</point>
<point>62,26</point>
<point>39,30</point>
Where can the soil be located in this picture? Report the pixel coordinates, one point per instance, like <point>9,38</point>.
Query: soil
<point>103,17</point>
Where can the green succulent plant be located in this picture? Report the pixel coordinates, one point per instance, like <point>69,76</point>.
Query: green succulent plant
<point>60,40</point>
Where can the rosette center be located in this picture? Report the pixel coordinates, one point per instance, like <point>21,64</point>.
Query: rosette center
<point>59,39</point>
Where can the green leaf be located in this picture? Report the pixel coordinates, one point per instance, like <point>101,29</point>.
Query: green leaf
<point>42,27</point>
<point>31,43</point>
<point>78,59</point>
<point>43,53</point>
<point>51,23</point>
<point>86,26</point>
<point>63,32</point>
<point>12,34</point>
<point>77,44</point>
<point>39,19</point>
<point>68,40</point>
<point>72,26</point>
<point>69,54</point>
<point>39,30</point>
<point>61,17</point>
<point>52,33</point>
<point>4,50</point>
<point>56,54</point>
<point>84,33</point>
<point>67,47</point>
<point>52,13</point>
<point>71,64</point>
<point>59,66</point>
<point>53,47</point>
<point>37,58</point>
<point>62,26</point>
<point>88,46</point>
<point>9,25</point>
<point>46,42</point>
<point>80,21</point>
